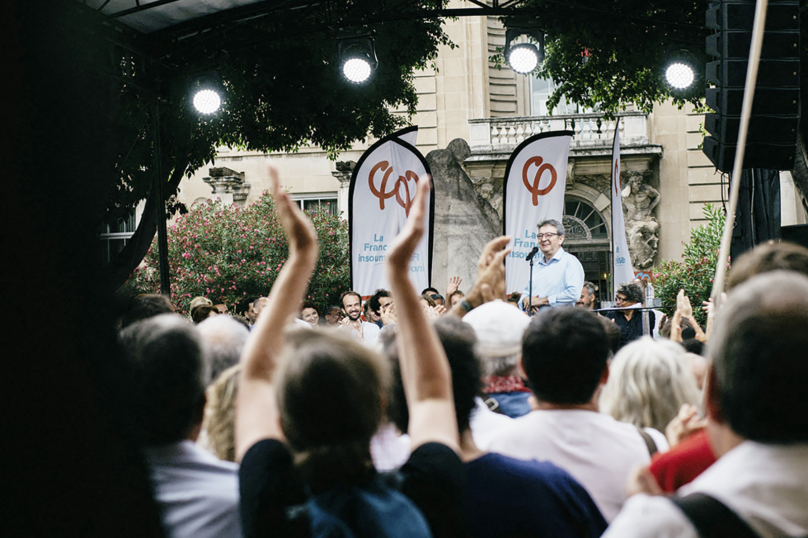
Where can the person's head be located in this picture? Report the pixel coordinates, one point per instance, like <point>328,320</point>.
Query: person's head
<point>438,298</point>
<point>146,306</point>
<point>221,306</point>
<point>220,414</point>
<point>458,341</point>
<point>648,382</point>
<point>513,298</point>
<point>252,313</point>
<point>196,302</point>
<point>309,313</point>
<point>380,300</point>
<point>499,328</point>
<point>587,299</point>
<point>169,372</point>
<point>351,303</point>
<point>201,313</point>
<point>428,291</point>
<point>628,294</point>
<point>331,392</point>
<point>333,315</point>
<point>427,300</point>
<point>613,334</point>
<point>455,298</point>
<point>564,355</point>
<point>370,315</point>
<point>687,329</point>
<point>223,338</point>
<point>759,371</point>
<point>550,236</point>
<point>259,305</point>
<point>768,257</point>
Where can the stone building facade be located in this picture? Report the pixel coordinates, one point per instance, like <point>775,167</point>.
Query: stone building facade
<point>471,116</point>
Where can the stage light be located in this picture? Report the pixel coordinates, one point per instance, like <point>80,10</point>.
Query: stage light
<point>524,57</point>
<point>206,93</point>
<point>682,71</point>
<point>357,58</point>
<point>680,75</point>
<point>207,101</point>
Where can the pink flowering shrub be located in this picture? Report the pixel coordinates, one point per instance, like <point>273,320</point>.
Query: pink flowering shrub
<point>696,272</point>
<point>230,253</point>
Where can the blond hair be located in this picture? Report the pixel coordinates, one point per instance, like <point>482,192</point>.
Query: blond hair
<point>220,414</point>
<point>648,383</point>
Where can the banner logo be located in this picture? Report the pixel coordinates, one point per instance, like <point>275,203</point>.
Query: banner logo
<point>534,187</point>
<point>617,186</point>
<point>403,181</point>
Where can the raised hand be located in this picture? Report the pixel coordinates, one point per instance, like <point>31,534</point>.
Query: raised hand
<point>454,285</point>
<point>257,415</point>
<point>490,282</point>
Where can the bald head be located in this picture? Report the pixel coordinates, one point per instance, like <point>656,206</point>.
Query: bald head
<point>758,351</point>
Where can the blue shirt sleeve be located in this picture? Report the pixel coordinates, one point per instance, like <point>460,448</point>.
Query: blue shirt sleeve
<point>573,284</point>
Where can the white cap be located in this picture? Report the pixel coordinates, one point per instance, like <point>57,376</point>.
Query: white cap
<point>499,327</point>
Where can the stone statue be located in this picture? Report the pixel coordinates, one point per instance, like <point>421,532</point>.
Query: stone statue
<point>642,228</point>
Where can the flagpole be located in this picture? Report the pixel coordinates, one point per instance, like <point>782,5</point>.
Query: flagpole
<point>612,283</point>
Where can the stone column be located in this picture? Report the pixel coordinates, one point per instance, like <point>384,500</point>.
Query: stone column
<point>343,173</point>
<point>228,185</point>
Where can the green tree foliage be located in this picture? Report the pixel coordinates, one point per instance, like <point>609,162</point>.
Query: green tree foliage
<point>625,44</point>
<point>283,90</point>
<point>226,252</point>
<point>696,272</point>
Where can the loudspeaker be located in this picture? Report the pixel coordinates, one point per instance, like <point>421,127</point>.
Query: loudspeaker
<point>772,136</point>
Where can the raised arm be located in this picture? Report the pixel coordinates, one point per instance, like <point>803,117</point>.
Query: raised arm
<point>490,281</point>
<point>425,371</point>
<point>257,414</point>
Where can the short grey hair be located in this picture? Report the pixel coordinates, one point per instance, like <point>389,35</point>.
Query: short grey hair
<point>223,338</point>
<point>648,383</point>
<point>591,287</point>
<point>552,222</point>
<point>168,370</point>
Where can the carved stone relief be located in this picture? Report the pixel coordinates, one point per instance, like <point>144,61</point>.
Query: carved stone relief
<point>642,228</point>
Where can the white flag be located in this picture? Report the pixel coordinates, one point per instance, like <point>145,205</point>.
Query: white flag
<point>382,189</point>
<point>535,180</point>
<point>622,271</point>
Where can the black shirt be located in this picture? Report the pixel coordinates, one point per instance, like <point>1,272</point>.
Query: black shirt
<point>631,330</point>
<point>433,479</point>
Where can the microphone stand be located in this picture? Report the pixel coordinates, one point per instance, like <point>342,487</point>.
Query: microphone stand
<point>530,289</point>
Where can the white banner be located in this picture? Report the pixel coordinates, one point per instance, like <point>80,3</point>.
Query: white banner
<point>622,271</point>
<point>382,188</point>
<point>535,180</point>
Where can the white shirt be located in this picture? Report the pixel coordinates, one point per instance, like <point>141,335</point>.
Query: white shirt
<point>766,485</point>
<point>198,494</point>
<point>598,451</point>
<point>486,424</point>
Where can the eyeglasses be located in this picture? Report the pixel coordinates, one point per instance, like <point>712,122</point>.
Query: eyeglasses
<point>547,235</point>
<point>620,299</point>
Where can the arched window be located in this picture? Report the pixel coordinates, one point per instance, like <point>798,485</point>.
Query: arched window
<point>587,237</point>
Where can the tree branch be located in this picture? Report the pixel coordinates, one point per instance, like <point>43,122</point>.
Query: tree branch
<point>125,262</point>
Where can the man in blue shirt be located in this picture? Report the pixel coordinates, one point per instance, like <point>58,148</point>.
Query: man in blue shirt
<point>558,276</point>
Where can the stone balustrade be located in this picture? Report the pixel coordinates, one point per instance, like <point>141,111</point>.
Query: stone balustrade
<point>588,129</point>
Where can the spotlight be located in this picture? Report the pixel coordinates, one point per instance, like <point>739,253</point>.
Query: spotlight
<point>357,58</point>
<point>524,57</point>
<point>681,71</point>
<point>679,75</point>
<point>206,93</point>
<point>207,101</point>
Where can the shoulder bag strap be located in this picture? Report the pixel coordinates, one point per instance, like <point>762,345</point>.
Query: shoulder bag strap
<point>712,518</point>
<point>649,441</point>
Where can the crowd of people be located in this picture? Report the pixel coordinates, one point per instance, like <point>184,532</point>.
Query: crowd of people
<point>421,414</point>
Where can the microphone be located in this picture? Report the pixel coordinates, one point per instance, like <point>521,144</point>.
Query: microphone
<point>532,253</point>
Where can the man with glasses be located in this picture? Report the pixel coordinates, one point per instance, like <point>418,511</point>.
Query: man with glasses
<point>558,276</point>
<point>630,321</point>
